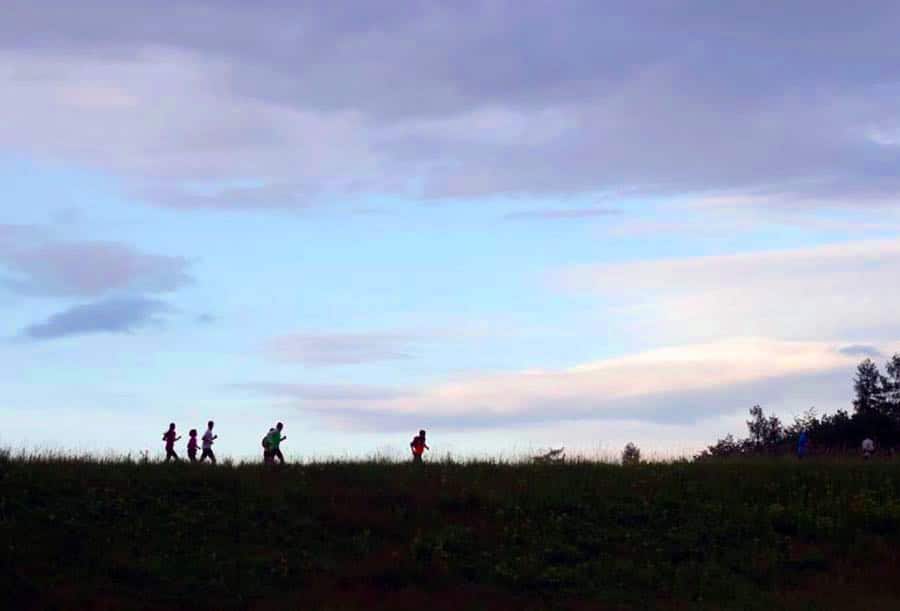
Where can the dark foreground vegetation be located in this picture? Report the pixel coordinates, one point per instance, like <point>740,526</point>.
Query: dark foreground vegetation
<point>749,534</point>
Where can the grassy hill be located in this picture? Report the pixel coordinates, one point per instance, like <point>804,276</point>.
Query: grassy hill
<point>749,535</point>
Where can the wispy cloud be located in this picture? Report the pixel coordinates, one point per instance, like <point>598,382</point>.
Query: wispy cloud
<point>862,350</point>
<point>322,392</point>
<point>327,349</point>
<point>38,264</point>
<point>561,215</point>
<point>108,316</point>
<point>839,291</point>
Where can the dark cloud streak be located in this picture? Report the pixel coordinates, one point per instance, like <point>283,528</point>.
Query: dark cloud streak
<point>111,316</point>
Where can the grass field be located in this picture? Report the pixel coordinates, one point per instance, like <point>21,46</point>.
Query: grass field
<point>766,534</point>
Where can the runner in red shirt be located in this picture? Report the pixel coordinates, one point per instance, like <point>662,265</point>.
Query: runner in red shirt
<point>170,438</point>
<point>418,447</point>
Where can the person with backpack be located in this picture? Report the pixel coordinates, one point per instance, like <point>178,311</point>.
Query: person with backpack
<point>418,447</point>
<point>275,439</point>
<point>267,447</point>
<point>170,438</point>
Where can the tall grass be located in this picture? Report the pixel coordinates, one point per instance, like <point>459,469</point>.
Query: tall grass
<point>458,533</point>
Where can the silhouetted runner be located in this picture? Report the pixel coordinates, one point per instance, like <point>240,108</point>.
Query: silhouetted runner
<point>275,440</point>
<point>802,444</point>
<point>170,438</point>
<point>267,447</point>
<point>208,439</point>
<point>192,445</point>
<point>418,447</point>
<point>868,448</point>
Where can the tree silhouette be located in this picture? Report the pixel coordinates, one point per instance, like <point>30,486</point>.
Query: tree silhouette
<point>869,387</point>
<point>631,455</point>
<point>764,432</point>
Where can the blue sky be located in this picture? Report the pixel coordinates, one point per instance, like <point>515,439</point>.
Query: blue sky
<point>511,224</point>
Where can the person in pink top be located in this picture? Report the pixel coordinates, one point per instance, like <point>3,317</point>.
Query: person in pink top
<point>170,438</point>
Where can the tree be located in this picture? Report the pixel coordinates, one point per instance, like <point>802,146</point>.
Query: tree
<point>765,433</point>
<point>806,421</point>
<point>631,455</point>
<point>869,387</point>
<point>891,387</point>
<point>727,446</point>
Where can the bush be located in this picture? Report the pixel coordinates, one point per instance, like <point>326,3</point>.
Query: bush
<point>631,455</point>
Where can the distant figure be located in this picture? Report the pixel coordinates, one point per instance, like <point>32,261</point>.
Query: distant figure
<point>418,447</point>
<point>275,440</point>
<point>802,445</point>
<point>868,448</point>
<point>170,438</point>
<point>192,445</point>
<point>267,446</point>
<point>208,439</point>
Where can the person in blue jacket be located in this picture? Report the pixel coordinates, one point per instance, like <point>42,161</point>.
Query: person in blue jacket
<point>802,444</point>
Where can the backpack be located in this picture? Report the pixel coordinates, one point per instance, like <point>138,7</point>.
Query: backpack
<point>265,442</point>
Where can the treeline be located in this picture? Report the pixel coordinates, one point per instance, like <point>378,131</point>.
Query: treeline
<point>876,414</point>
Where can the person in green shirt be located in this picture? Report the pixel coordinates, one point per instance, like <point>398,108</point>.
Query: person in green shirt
<point>275,440</point>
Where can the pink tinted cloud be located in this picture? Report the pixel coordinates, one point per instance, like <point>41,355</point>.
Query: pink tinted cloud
<point>38,265</point>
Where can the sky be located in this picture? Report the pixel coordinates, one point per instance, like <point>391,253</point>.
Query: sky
<point>518,225</point>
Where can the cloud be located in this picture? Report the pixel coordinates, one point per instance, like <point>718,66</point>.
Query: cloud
<point>323,392</point>
<point>326,349</point>
<point>676,385</point>
<point>123,315</point>
<point>41,265</point>
<point>559,215</point>
<point>456,99</point>
<point>862,350</point>
<point>840,291</point>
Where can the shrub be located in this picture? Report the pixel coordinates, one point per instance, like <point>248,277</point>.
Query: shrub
<point>631,455</point>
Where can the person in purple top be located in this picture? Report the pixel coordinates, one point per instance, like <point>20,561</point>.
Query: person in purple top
<point>170,438</point>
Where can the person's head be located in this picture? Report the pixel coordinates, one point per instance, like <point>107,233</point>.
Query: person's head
<point>171,426</point>
<point>422,434</point>
<point>279,426</point>
<point>193,432</point>
<point>210,424</point>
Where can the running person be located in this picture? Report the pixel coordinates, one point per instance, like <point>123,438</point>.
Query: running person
<point>208,439</point>
<point>802,444</point>
<point>170,438</point>
<point>418,447</point>
<point>275,440</point>
<point>868,448</point>
<point>267,447</point>
<point>192,445</point>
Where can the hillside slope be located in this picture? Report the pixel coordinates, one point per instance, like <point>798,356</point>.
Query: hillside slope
<point>751,535</point>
